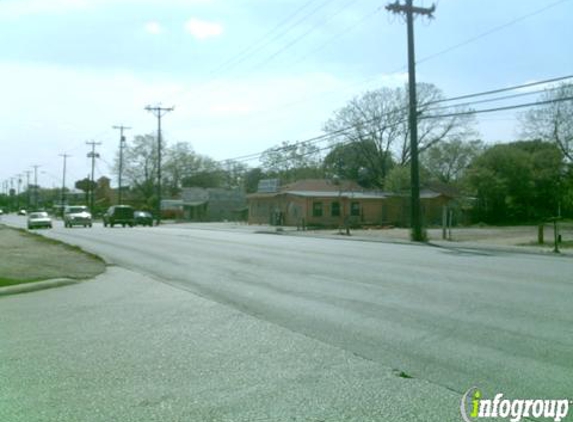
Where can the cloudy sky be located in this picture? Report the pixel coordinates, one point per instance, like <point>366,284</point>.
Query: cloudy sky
<point>244,75</point>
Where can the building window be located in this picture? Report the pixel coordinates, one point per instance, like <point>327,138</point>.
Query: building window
<point>335,209</point>
<point>355,209</point>
<point>317,209</point>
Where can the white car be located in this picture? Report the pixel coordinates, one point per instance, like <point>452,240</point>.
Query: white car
<point>77,215</point>
<point>39,219</point>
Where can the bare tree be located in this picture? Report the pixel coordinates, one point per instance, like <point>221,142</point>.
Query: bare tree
<point>448,160</point>
<point>552,122</point>
<point>377,122</point>
<point>140,165</point>
<point>292,160</point>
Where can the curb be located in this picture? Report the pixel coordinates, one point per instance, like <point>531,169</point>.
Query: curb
<point>36,286</point>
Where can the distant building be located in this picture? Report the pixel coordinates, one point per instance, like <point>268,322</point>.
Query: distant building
<point>325,203</point>
<point>208,204</point>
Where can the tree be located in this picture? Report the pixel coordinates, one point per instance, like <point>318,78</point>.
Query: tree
<point>292,160</point>
<point>399,179</point>
<point>350,163</point>
<point>140,167</point>
<point>85,185</point>
<point>377,123</point>
<point>517,182</point>
<point>553,122</point>
<point>447,161</point>
<point>252,178</point>
<point>181,163</point>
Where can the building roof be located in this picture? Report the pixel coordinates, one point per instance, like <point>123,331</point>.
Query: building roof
<point>342,194</point>
<point>321,185</point>
<point>322,188</point>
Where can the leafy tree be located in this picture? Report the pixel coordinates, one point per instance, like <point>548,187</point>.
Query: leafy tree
<point>553,122</point>
<point>377,123</point>
<point>349,162</point>
<point>447,161</point>
<point>516,182</point>
<point>399,179</point>
<point>85,185</point>
<point>252,178</point>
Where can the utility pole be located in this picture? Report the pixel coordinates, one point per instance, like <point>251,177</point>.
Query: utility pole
<point>409,10</point>
<point>19,180</point>
<point>121,146</point>
<point>12,194</point>
<point>36,185</point>
<point>93,155</point>
<point>159,112</point>
<point>63,198</point>
<point>28,188</point>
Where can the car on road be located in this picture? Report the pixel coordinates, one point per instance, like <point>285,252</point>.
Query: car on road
<point>22,212</point>
<point>143,218</point>
<point>38,220</point>
<point>77,215</point>
<point>119,214</point>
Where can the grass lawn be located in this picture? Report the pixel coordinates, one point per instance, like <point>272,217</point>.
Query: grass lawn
<point>29,257</point>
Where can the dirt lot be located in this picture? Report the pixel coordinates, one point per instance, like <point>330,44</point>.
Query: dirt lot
<point>26,257</point>
<point>520,236</point>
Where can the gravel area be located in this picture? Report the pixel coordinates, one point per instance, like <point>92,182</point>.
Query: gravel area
<point>29,257</point>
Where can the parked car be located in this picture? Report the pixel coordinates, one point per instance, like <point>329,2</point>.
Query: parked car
<point>39,219</point>
<point>77,215</point>
<point>143,218</point>
<point>1,211</point>
<point>119,214</point>
<point>22,212</point>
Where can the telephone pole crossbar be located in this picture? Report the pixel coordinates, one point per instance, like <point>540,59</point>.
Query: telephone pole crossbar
<point>159,112</point>
<point>409,10</point>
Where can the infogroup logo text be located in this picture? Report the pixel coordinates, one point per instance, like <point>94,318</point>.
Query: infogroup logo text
<point>475,407</point>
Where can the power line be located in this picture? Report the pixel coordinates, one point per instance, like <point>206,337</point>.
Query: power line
<point>491,31</point>
<point>325,137</point>
<point>434,55</point>
<point>496,109</point>
<point>264,39</point>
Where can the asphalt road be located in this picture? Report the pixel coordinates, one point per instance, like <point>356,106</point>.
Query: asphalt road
<point>448,318</point>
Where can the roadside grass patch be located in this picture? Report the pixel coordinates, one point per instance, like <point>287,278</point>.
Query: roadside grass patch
<point>28,257</point>
<point>4,282</point>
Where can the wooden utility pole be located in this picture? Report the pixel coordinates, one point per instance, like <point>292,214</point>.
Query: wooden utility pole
<point>93,155</point>
<point>159,112</point>
<point>409,10</point>
<point>121,146</point>
<point>28,172</point>
<point>63,195</point>
<point>36,184</point>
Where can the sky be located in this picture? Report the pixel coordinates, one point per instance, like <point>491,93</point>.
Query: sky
<point>244,75</point>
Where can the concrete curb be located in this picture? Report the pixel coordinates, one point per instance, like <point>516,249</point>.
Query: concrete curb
<point>36,286</point>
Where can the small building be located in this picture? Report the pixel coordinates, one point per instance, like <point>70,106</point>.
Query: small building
<point>208,204</point>
<point>324,203</point>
